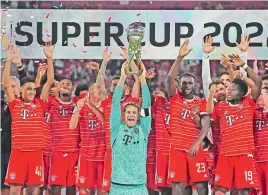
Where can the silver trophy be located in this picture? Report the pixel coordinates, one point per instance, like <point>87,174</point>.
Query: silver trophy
<point>135,34</point>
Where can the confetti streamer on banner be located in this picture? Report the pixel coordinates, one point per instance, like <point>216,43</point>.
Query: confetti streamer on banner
<point>87,43</point>
<point>74,45</point>
<point>61,5</point>
<point>92,36</point>
<point>34,6</point>
<point>5,41</point>
<point>5,10</point>
<point>47,15</point>
<point>48,35</point>
<point>151,2</point>
<point>138,14</point>
<point>46,30</point>
<point>36,61</point>
<point>109,19</point>
<point>65,42</point>
<point>84,51</point>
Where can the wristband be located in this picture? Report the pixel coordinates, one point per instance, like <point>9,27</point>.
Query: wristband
<point>245,66</point>
<point>206,55</point>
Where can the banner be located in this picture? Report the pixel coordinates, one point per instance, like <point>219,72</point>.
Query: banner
<point>83,34</point>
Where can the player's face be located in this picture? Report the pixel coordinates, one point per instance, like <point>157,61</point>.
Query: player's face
<point>131,115</point>
<point>95,90</point>
<point>263,99</point>
<point>220,93</point>
<point>187,85</point>
<point>226,80</point>
<point>15,87</point>
<point>28,91</point>
<point>66,87</point>
<point>265,83</point>
<point>234,93</point>
<point>158,93</point>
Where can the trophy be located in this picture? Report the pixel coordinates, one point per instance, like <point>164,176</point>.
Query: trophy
<point>135,33</point>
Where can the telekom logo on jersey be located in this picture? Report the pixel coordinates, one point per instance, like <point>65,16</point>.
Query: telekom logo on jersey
<point>185,113</point>
<point>24,113</point>
<point>259,124</point>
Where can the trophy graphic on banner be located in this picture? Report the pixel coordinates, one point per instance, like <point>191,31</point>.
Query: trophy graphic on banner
<point>135,34</point>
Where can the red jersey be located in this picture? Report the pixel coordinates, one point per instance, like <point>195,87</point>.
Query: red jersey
<point>26,127</point>
<point>92,135</point>
<point>184,130</point>
<point>47,132</point>
<point>161,109</point>
<point>261,135</point>
<point>107,106</point>
<point>236,126</point>
<point>63,138</point>
<point>151,152</point>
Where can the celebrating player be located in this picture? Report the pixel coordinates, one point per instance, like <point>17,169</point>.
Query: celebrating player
<point>185,142</point>
<point>237,144</point>
<point>27,118</point>
<point>129,141</point>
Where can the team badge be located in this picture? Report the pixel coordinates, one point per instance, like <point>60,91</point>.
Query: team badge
<point>82,179</point>
<point>171,174</point>
<point>33,105</point>
<point>136,131</point>
<point>240,107</point>
<point>105,182</point>
<point>217,178</point>
<point>12,175</point>
<point>250,155</point>
<point>252,183</point>
<point>226,112</point>
<point>53,177</point>
<point>185,102</point>
<point>159,179</point>
<point>89,114</point>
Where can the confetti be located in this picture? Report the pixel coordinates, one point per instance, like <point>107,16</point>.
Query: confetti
<point>109,19</point>
<point>87,43</point>
<point>14,36</point>
<point>47,15</point>
<point>74,45</point>
<point>65,42</point>
<point>17,46</point>
<point>65,155</point>
<point>9,15</point>
<point>84,51</point>
<point>32,16</point>
<point>92,36</point>
<point>55,6</point>
<point>48,35</point>
<point>5,10</point>
<point>42,35</point>
<point>68,27</point>
<point>34,6</point>
<point>4,50</point>
<point>3,30</point>
<point>61,5</point>
<point>138,14</point>
<point>151,2</point>
<point>5,41</point>
<point>46,30</point>
<point>36,61</point>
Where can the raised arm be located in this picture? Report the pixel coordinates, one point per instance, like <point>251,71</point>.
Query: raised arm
<point>101,75</point>
<point>243,47</point>
<point>256,88</point>
<point>48,51</point>
<point>10,54</point>
<point>17,60</point>
<point>96,110</point>
<point>206,76</point>
<point>210,103</point>
<point>76,114</point>
<point>171,85</point>
<point>115,118</point>
<point>40,73</point>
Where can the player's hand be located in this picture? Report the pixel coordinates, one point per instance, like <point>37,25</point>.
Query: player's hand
<point>238,74</point>
<point>225,61</point>
<point>184,50</point>
<point>237,60</point>
<point>17,58</point>
<point>207,44</point>
<point>10,52</point>
<point>243,45</point>
<point>42,69</point>
<point>49,49</point>
<point>193,150</point>
<point>255,66</point>
<point>80,103</point>
<point>213,88</point>
<point>124,53</point>
<point>106,55</point>
<point>123,70</point>
<point>150,73</point>
<point>94,66</point>
<point>195,109</point>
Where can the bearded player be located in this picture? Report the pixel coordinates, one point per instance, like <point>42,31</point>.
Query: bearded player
<point>185,142</point>
<point>129,141</point>
<point>235,118</point>
<point>27,116</point>
<point>89,117</point>
<point>261,140</point>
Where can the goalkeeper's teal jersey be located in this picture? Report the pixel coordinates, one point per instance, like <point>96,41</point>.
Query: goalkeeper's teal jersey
<point>129,145</point>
